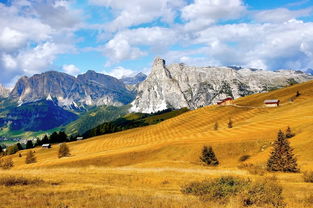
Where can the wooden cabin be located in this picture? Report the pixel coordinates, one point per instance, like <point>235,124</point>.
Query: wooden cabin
<point>271,103</point>
<point>226,101</point>
<point>46,146</point>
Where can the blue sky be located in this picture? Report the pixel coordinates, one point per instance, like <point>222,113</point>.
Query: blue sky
<point>122,37</point>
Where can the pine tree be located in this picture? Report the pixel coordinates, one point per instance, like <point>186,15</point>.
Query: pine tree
<point>215,126</point>
<point>281,158</point>
<point>30,157</point>
<point>230,124</point>
<point>29,144</point>
<point>289,134</point>
<point>208,156</point>
<point>64,151</point>
<point>45,140</point>
<point>19,146</point>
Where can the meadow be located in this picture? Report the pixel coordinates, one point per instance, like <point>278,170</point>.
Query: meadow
<point>148,166</point>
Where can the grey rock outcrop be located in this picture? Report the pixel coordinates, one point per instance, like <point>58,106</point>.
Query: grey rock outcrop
<point>4,92</point>
<point>177,85</point>
<point>90,88</point>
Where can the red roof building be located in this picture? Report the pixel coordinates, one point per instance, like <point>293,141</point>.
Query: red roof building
<point>226,101</point>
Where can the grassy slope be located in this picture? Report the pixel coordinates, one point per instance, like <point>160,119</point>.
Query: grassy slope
<point>169,151</point>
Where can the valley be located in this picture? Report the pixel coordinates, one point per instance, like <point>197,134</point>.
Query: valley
<point>148,166</point>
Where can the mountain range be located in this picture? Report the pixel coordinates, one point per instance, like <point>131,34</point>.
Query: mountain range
<point>178,85</point>
<point>60,98</point>
<point>87,89</point>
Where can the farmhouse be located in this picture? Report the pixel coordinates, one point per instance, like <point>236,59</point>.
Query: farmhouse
<point>46,146</point>
<point>226,101</point>
<point>79,138</point>
<point>271,103</point>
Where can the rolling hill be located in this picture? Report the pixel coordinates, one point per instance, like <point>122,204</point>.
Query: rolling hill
<point>150,164</point>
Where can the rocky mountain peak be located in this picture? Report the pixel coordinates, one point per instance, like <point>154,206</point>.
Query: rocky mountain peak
<point>91,88</point>
<point>178,85</point>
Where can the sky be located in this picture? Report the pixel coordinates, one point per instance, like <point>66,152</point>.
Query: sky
<point>122,37</point>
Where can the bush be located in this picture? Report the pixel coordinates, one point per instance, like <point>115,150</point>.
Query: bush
<point>308,177</point>
<point>220,189</point>
<point>6,163</point>
<point>244,158</point>
<point>19,181</point>
<point>64,151</point>
<point>12,149</point>
<point>263,193</point>
<point>208,156</point>
<point>30,157</point>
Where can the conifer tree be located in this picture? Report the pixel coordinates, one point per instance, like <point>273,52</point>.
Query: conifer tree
<point>64,151</point>
<point>19,146</point>
<point>208,156</point>
<point>30,157</point>
<point>289,134</point>
<point>230,123</point>
<point>281,158</point>
<point>45,140</point>
<point>29,144</point>
<point>215,126</point>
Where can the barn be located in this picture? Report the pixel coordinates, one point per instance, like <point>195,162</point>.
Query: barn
<point>271,103</point>
<point>226,101</point>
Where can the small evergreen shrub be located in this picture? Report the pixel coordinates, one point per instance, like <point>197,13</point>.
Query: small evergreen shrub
<point>244,158</point>
<point>230,124</point>
<point>208,156</point>
<point>30,157</point>
<point>308,177</point>
<point>289,133</point>
<point>64,151</point>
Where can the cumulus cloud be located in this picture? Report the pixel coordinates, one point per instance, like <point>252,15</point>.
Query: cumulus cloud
<point>203,13</point>
<point>281,15</point>
<point>135,12</point>
<point>124,45</point>
<point>32,34</point>
<point>120,72</point>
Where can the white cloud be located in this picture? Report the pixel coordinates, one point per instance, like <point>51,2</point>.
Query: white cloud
<point>32,34</point>
<point>135,12</point>
<point>203,13</point>
<point>281,15</point>
<point>120,72</point>
<point>71,69</point>
<point>125,44</point>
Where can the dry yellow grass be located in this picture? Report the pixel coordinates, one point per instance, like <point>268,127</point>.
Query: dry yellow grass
<point>145,167</point>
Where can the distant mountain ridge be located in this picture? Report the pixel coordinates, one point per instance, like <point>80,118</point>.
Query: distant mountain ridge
<point>91,88</point>
<point>138,78</point>
<point>178,85</point>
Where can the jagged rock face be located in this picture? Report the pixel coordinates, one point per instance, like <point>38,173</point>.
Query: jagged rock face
<point>177,86</point>
<point>90,88</point>
<point>140,77</point>
<point>4,92</point>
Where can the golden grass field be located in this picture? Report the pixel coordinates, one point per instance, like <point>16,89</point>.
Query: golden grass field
<point>146,167</point>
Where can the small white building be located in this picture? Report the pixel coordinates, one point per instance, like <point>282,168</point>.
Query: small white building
<point>79,138</point>
<point>271,103</point>
<point>46,146</point>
